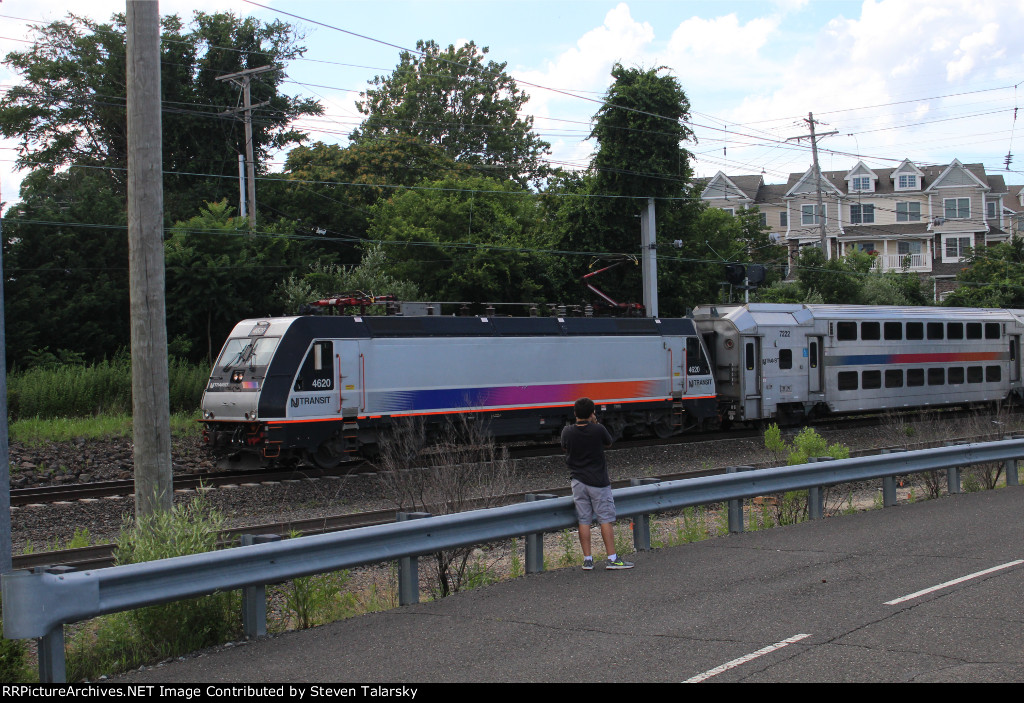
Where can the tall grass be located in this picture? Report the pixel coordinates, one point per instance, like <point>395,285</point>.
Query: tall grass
<point>100,389</point>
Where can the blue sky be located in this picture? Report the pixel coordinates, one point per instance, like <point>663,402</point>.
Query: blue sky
<point>930,81</point>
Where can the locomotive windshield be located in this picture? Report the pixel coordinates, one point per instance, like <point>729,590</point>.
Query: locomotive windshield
<point>247,351</point>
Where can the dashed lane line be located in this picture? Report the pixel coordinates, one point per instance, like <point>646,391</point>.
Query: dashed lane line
<point>947,584</point>
<point>746,658</point>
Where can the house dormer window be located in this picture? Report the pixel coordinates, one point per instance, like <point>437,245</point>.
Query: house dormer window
<point>860,184</point>
<point>907,181</point>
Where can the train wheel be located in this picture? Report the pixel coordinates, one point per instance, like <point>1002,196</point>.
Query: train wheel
<point>662,428</point>
<point>324,458</point>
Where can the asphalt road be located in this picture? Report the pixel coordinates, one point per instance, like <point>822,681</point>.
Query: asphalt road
<point>807,603</point>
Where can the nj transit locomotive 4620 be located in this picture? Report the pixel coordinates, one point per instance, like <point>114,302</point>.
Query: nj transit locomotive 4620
<point>328,388</point>
<point>791,362</point>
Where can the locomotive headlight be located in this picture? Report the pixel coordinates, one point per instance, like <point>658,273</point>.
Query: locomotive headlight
<point>237,376</point>
<point>207,415</point>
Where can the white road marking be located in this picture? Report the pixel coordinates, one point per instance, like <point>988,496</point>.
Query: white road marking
<point>926,591</point>
<point>744,659</point>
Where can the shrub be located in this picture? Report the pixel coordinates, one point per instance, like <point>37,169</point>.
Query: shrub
<point>182,626</point>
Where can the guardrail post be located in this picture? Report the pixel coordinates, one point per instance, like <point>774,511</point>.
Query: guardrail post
<point>736,504</point>
<point>889,498</point>
<point>535,541</point>
<point>409,569</point>
<point>254,598</point>
<point>642,523</point>
<point>50,648</point>
<point>1010,466</point>
<point>952,473</point>
<point>816,494</point>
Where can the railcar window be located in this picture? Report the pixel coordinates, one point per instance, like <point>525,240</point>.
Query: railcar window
<point>870,330</point>
<point>785,358</point>
<point>846,331</point>
<point>956,375</point>
<point>993,374</point>
<point>991,330</point>
<point>871,379</point>
<point>915,330</point>
<point>973,330</point>
<point>750,356</point>
<point>954,330</point>
<point>894,378</point>
<point>894,331</point>
<point>696,362</point>
<point>935,330</point>
<point>847,380</point>
<point>915,377</point>
<point>974,374</point>
<point>936,377</point>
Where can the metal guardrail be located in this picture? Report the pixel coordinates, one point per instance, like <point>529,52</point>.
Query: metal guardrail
<point>38,603</point>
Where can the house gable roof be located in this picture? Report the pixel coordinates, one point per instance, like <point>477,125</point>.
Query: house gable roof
<point>957,175</point>
<point>806,184</point>
<point>722,186</point>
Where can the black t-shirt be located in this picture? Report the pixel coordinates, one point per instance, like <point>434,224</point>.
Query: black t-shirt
<point>584,446</point>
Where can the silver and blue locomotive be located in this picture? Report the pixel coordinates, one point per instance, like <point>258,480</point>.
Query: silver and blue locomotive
<point>327,388</point>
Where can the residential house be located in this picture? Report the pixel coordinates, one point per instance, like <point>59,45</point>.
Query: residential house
<point>922,219</point>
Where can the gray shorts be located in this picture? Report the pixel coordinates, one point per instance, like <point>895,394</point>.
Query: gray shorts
<point>593,502</point>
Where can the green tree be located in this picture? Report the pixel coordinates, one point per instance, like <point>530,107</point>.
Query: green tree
<point>993,278</point>
<point>218,273</point>
<point>640,132</point>
<point>453,99</point>
<point>328,190</point>
<point>66,267</point>
<point>69,109</point>
<point>471,239</point>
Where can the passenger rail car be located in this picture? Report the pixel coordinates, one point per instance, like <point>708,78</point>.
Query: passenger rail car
<point>327,388</point>
<point>790,362</point>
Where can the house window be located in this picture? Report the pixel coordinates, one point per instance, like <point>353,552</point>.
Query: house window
<point>783,219</point>
<point>991,205</point>
<point>764,219</point>
<point>955,248</point>
<point>860,184</point>
<point>862,214</point>
<point>866,247</point>
<point>908,212</point>
<point>957,208</point>
<point>908,181</point>
<point>809,214</point>
<point>728,210</point>
<point>909,246</point>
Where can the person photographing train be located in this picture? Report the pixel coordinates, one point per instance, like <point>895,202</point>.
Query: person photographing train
<point>584,443</point>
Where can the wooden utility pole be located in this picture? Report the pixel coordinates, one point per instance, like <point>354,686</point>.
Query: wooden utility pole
<point>150,397</point>
<point>242,79</point>
<point>6,565</point>
<point>817,175</point>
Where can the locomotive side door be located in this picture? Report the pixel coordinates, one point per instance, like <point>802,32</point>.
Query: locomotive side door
<point>751,378</point>
<point>815,365</point>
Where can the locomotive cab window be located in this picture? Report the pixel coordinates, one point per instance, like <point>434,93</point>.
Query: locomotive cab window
<point>696,362</point>
<point>785,358</point>
<point>317,372</point>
